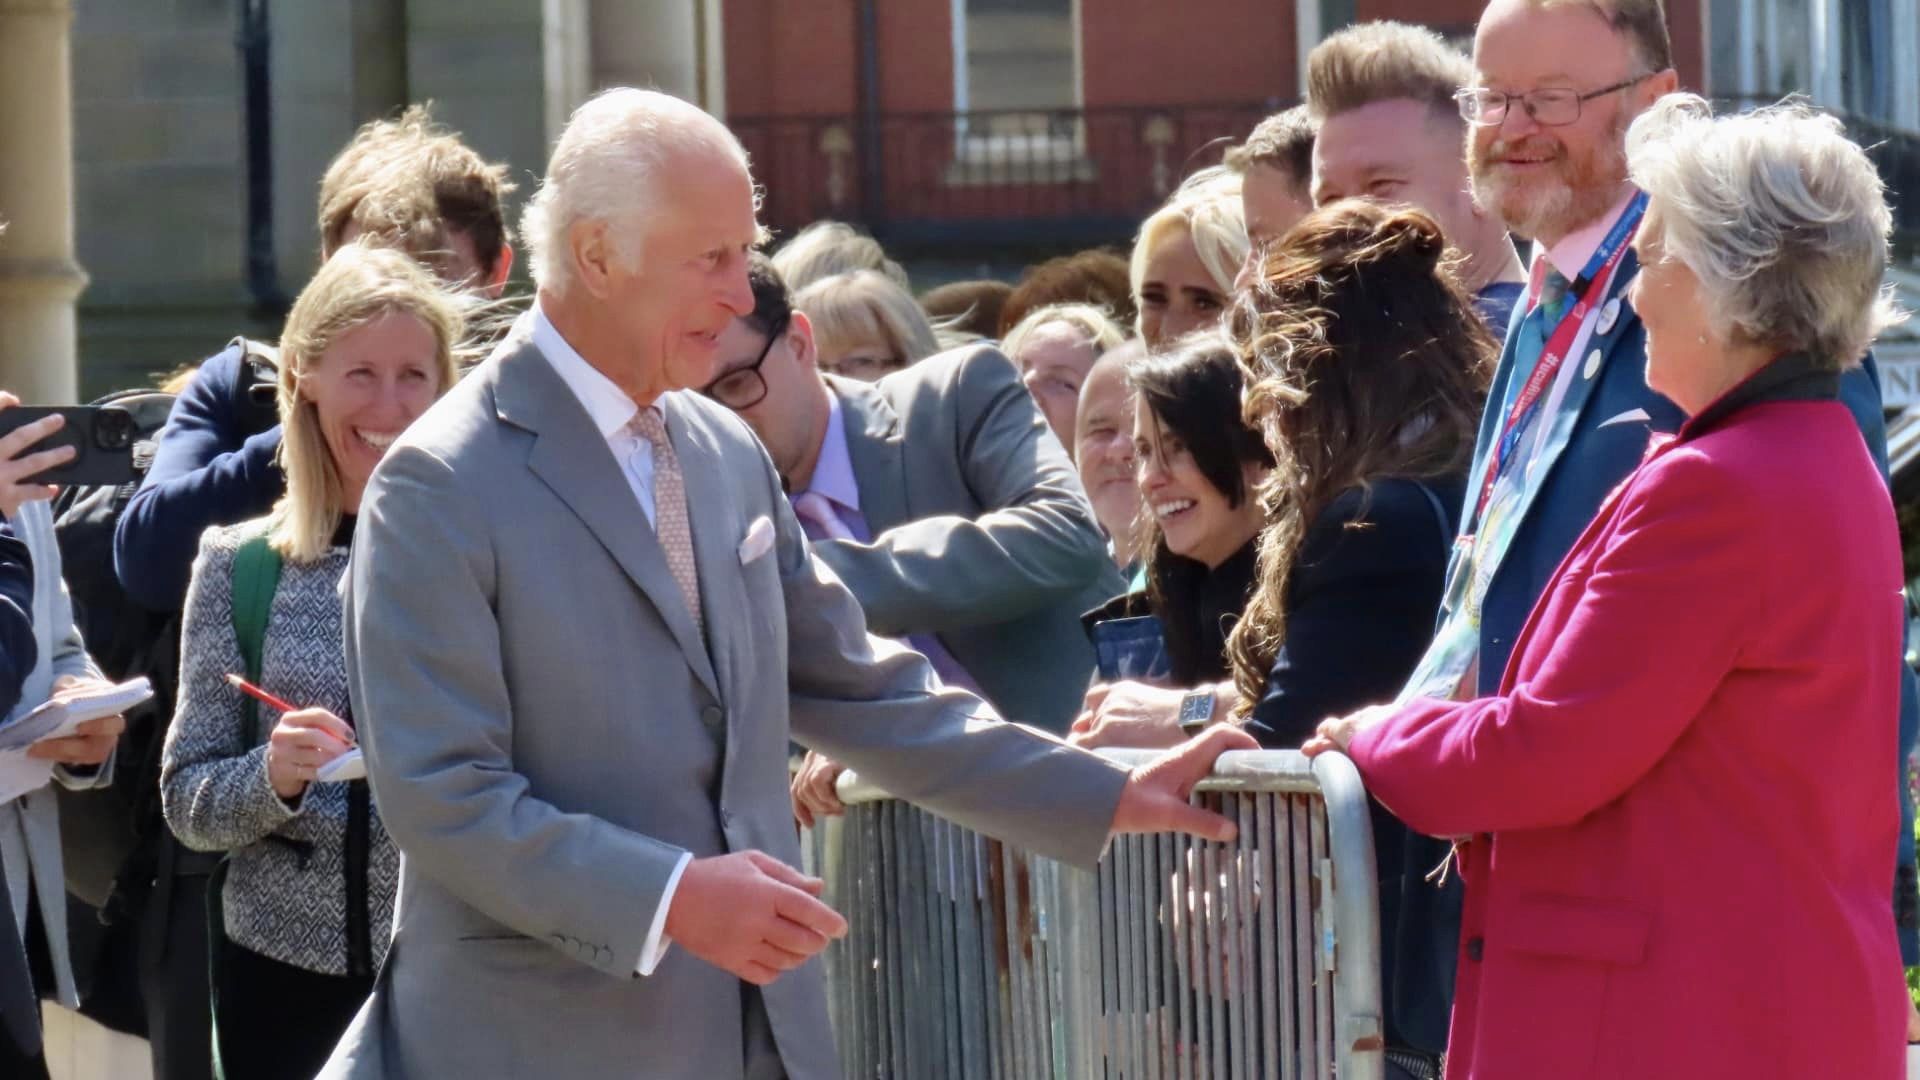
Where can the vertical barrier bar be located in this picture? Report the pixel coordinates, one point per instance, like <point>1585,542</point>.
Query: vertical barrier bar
<point>1181,908</point>
<point>1168,948</point>
<point>1139,888</point>
<point>1239,912</point>
<point>1322,936</point>
<point>1212,981</point>
<point>1298,824</point>
<point>1277,1023</point>
<point>1126,1004</point>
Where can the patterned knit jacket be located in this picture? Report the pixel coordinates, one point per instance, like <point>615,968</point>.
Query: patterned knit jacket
<point>293,868</point>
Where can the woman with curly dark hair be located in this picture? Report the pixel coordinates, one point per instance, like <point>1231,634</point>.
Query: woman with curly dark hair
<point>1366,371</point>
<point>1366,368</point>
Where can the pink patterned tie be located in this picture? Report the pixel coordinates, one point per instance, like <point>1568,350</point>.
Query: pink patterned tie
<point>670,521</point>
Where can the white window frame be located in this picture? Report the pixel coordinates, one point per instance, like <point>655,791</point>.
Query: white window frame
<point>985,154</point>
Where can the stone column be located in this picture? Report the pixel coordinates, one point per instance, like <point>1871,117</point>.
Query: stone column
<point>39,278</point>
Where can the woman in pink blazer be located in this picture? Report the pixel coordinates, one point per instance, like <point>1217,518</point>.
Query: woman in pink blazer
<point>1676,831</point>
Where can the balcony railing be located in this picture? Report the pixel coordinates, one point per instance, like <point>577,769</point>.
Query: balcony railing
<point>995,177</point>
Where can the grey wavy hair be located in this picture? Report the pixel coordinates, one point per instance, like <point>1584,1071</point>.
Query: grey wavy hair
<point>1094,325</point>
<point>1781,217</point>
<point>827,248</point>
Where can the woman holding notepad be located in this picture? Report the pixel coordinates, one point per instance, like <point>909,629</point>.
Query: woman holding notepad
<point>256,761</point>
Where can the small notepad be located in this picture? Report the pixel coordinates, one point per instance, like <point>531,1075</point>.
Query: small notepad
<point>348,766</point>
<point>58,719</point>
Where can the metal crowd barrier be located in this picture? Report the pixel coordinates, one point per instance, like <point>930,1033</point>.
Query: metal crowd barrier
<point>1176,958</point>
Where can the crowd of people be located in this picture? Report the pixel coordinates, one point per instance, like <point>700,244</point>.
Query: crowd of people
<point>1581,558</point>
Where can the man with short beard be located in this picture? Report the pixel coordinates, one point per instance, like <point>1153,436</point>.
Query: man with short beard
<point>1557,83</point>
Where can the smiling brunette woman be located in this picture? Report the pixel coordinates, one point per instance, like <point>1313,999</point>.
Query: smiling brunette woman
<point>306,896</point>
<point>1199,468</point>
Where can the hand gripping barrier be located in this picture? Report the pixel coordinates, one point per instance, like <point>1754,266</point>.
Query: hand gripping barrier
<point>1175,958</point>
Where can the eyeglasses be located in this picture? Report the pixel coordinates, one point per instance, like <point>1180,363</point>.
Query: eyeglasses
<point>745,387</point>
<point>1549,106</point>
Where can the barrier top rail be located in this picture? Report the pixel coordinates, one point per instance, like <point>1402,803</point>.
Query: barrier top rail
<point>1276,771</point>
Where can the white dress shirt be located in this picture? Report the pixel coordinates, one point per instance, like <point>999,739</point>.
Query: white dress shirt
<point>613,412</point>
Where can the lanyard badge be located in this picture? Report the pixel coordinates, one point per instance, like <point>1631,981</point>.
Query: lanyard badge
<point>1450,668</point>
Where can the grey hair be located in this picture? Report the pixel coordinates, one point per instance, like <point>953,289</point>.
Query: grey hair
<point>603,169</point>
<point>1094,325</point>
<point>1780,216</point>
<point>826,248</point>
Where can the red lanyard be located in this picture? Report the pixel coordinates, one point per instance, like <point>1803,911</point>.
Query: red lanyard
<point>1591,286</point>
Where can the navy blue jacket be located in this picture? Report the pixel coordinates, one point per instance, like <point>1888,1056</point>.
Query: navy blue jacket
<point>1597,457</point>
<point>18,650</point>
<point>208,469</point>
<point>1361,602</point>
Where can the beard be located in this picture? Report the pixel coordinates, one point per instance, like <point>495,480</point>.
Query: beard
<point>1561,195</point>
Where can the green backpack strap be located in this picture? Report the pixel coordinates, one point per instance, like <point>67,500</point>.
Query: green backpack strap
<point>256,576</point>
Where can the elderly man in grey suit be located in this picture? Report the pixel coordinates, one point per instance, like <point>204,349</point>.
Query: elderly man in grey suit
<point>580,618</point>
<point>940,498</point>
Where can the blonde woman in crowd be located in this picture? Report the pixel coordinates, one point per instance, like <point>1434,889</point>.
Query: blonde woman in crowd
<point>1054,347</point>
<point>308,891</point>
<point>865,325</point>
<point>1187,255</point>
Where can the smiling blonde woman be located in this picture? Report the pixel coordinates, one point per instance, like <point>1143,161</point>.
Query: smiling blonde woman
<point>307,899</point>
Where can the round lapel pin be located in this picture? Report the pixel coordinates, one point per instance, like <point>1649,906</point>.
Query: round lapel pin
<point>1593,364</point>
<point>1609,314</point>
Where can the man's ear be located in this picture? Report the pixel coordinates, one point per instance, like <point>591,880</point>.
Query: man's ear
<point>593,255</point>
<point>800,328</point>
<point>1659,85</point>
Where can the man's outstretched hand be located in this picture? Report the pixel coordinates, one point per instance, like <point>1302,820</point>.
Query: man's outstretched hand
<point>1155,798</point>
<point>751,915</point>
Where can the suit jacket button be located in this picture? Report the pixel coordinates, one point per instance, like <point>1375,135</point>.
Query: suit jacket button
<point>1475,946</point>
<point>713,717</point>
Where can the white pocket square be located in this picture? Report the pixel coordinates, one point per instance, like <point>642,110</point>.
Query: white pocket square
<point>1631,416</point>
<point>759,540</point>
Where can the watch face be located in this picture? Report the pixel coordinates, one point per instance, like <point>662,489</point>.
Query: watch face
<point>1196,707</point>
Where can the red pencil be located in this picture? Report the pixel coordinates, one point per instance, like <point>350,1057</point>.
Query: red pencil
<point>258,694</point>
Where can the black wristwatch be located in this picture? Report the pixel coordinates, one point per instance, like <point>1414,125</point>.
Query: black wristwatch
<point>1196,711</point>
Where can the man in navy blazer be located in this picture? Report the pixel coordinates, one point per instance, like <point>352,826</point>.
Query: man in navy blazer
<point>1552,164</point>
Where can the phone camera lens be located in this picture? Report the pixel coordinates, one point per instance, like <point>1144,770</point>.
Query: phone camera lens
<point>113,429</point>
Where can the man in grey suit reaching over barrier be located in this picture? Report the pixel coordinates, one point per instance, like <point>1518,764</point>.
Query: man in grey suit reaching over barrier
<point>580,619</point>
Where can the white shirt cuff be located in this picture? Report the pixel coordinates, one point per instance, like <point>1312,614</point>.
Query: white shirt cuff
<point>657,940</point>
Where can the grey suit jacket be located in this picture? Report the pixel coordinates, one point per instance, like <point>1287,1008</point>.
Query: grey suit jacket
<point>546,733</point>
<point>982,533</point>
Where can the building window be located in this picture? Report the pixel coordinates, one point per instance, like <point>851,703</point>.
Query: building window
<point>1014,55</point>
<point>1016,88</point>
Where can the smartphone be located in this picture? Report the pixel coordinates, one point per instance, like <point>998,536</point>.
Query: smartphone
<point>102,437</point>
